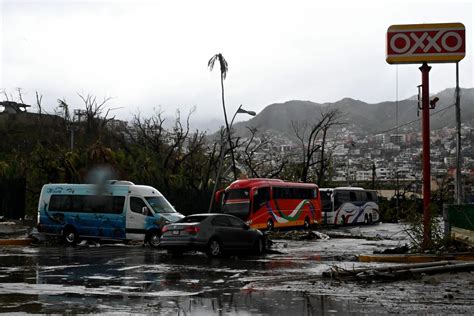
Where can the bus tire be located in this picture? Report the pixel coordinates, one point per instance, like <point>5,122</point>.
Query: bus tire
<point>307,223</point>
<point>366,219</point>
<point>70,236</point>
<point>270,225</point>
<point>153,238</point>
<point>370,219</point>
<point>343,220</point>
<point>214,248</point>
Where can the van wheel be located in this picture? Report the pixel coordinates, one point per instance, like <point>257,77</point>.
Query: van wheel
<point>307,224</point>
<point>153,239</point>
<point>270,225</point>
<point>70,236</point>
<point>214,248</point>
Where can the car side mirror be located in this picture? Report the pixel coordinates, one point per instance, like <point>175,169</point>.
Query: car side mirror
<point>245,226</point>
<point>145,210</point>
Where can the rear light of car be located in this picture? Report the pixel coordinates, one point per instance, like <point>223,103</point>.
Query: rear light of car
<point>164,229</point>
<point>193,230</point>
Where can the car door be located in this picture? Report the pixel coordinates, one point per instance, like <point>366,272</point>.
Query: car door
<point>242,235</point>
<point>135,225</point>
<point>224,231</point>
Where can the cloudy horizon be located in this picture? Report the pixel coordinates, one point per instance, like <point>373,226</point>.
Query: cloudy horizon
<point>153,55</point>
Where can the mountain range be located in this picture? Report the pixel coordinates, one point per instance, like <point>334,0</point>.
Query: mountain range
<point>361,117</point>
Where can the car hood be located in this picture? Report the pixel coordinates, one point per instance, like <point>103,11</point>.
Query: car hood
<point>172,217</point>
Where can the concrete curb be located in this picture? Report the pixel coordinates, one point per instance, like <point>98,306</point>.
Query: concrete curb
<point>16,242</point>
<point>414,258</point>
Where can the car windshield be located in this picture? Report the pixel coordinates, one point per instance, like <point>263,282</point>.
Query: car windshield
<point>160,204</point>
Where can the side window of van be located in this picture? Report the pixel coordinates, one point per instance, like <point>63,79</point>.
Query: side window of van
<point>136,204</point>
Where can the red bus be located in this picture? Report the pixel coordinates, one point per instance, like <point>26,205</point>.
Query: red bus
<point>272,203</point>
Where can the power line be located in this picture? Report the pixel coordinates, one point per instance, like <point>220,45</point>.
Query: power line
<point>414,121</point>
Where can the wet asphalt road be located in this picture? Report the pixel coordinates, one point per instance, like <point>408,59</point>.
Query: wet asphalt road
<point>130,279</point>
<point>109,279</point>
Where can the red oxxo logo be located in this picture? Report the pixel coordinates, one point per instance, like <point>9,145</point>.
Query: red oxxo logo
<point>419,43</point>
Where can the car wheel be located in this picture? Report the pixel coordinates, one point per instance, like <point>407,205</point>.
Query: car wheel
<point>153,239</point>
<point>270,225</point>
<point>214,248</point>
<point>70,236</point>
<point>259,246</point>
<point>307,224</point>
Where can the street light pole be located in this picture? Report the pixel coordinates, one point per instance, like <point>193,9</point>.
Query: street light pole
<point>239,110</point>
<point>221,156</point>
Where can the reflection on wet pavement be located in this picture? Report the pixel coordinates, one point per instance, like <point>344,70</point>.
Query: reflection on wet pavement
<point>137,279</point>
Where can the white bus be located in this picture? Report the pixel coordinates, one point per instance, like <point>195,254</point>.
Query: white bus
<point>120,210</point>
<point>349,205</point>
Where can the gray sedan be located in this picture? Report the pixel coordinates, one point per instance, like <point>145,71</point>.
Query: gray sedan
<point>213,234</point>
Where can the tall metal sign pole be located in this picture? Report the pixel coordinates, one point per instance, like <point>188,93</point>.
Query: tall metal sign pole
<point>425,134</point>
<point>420,44</point>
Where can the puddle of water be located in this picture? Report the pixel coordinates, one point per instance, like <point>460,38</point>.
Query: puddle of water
<point>178,302</point>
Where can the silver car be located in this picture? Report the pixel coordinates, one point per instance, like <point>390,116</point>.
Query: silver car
<point>214,234</point>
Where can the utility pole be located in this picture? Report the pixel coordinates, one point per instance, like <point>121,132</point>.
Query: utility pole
<point>425,100</point>
<point>72,129</point>
<point>458,141</point>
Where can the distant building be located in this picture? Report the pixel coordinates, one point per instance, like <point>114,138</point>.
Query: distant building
<point>10,107</point>
<point>398,138</point>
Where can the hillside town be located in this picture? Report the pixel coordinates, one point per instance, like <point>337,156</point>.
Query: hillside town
<point>386,158</point>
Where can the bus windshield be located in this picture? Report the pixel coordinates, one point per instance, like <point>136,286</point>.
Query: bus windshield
<point>160,204</point>
<point>237,202</point>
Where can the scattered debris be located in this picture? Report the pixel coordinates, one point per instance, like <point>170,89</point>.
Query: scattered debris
<point>399,272</point>
<point>297,235</point>
<point>394,251</point>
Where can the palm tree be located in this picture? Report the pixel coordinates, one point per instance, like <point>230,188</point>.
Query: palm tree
<point>224,68</point>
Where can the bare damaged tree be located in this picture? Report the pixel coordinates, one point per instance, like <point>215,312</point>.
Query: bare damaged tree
<point>172,148</point>
<point>5,95</point>
<point>94,112</point>
<point>257,162</point>
<point>312,139</point>
<point>64,107</point>
<point>39,100</point>
<point>148,132</point>
<point>176,139</point>
<point>332,120</point>
<point>20,95</point>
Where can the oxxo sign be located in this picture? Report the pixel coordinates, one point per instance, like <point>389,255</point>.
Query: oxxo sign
<point>418,43</point>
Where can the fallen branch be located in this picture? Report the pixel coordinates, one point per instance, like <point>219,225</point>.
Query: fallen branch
<point>399,272</point>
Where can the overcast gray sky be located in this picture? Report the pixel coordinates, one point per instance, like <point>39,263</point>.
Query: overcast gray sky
<point>154,54</point>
